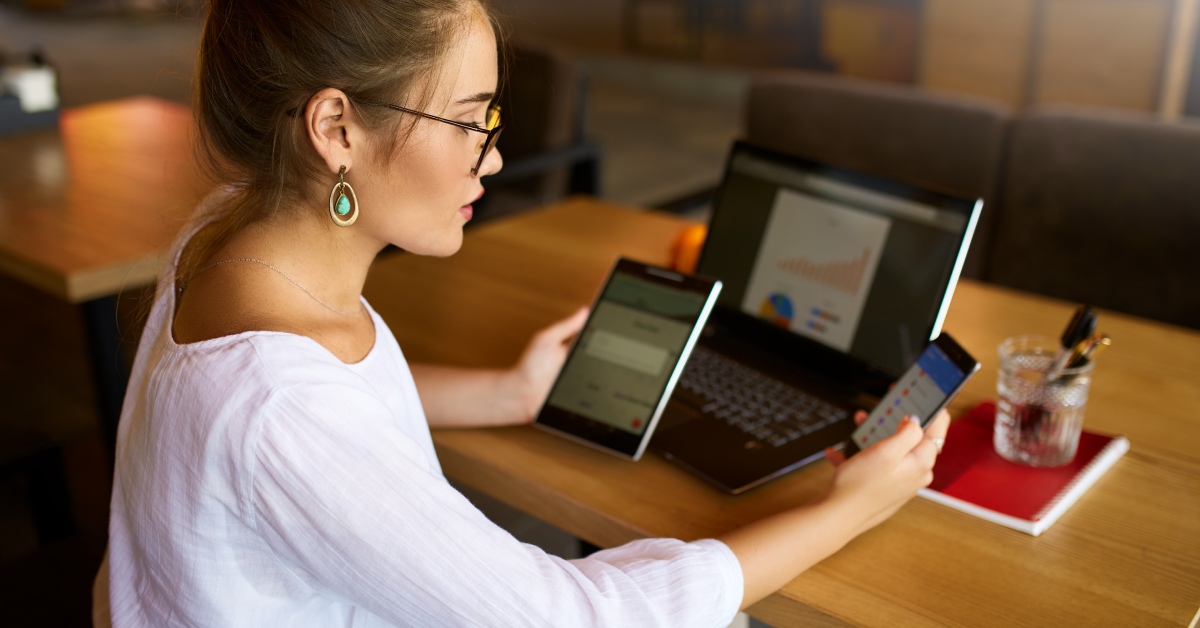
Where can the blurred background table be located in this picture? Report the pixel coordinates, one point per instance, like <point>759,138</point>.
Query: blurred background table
<point>87,211</point>
<point>1128,553</point>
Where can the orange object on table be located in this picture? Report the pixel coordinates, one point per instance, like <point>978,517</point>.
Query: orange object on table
<point>685,249</point>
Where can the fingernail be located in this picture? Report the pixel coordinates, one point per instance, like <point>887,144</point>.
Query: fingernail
<point>914,419</point>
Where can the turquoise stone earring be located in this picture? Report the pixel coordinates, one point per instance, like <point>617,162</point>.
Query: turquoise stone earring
<point>343,209</point>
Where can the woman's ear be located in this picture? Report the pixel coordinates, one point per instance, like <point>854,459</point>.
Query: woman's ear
<point>332,126</point>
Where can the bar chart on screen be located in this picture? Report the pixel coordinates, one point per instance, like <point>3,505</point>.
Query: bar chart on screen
<point>845,276</point>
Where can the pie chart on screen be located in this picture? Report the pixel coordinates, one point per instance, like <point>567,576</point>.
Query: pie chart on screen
<point>777,308</point>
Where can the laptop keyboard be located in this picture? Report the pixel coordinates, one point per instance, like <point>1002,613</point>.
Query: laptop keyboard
<point>771,411</point>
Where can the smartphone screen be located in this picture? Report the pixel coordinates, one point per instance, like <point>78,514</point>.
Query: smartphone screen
<point>926,387</point>
<point>627,358</point>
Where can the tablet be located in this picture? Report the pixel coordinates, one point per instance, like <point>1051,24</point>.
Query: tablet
<point>626,360</point>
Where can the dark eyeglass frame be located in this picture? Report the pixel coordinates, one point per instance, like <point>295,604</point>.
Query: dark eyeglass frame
<point>488,142</point>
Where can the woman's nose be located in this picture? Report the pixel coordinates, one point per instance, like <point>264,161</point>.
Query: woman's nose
<point>492,163</point>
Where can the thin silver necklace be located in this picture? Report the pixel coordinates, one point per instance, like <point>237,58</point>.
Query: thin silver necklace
<point>285,276</point>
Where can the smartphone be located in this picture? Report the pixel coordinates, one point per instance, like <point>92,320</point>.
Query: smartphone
<point>626,360</point>
<point>929,384</point>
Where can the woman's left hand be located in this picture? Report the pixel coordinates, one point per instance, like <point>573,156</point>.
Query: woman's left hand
<point>455,397</point>
<point>543,358</point>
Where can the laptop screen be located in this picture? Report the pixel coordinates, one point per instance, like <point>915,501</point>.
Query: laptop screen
<point>861,265</point>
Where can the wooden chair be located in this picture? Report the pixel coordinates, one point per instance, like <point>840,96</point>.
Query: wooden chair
<point>1103,208</point>
<point>949,143</point>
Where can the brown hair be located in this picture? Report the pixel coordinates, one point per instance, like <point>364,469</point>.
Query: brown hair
<point>259,63</point>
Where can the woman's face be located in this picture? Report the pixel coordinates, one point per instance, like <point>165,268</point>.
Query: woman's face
<point>420,198</point>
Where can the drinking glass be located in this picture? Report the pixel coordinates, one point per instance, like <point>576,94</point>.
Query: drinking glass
<point>1039,411</point>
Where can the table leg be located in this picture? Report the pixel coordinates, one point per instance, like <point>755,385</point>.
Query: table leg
<point>110,372</point>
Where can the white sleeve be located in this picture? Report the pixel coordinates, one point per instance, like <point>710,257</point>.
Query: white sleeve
<point>347,502</point>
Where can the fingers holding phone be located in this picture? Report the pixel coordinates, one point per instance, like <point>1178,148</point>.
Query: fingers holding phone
<point>941,370</point>
<point>834,454</point>
<point>935,430</point>
<point>876,482</point>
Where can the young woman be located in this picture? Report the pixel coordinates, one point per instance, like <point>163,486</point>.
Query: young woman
<point>274,463</point>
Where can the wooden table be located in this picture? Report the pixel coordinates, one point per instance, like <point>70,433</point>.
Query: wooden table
<point>87,210</point>
<point>1127,554</point>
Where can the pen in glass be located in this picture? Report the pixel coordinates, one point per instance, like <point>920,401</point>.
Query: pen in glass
<point>1082,324</point>
<point>1094,346</point>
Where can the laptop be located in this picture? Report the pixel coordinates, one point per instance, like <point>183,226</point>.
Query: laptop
<point>834,281</point>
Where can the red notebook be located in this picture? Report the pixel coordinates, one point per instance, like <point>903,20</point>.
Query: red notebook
<point>970,476</point>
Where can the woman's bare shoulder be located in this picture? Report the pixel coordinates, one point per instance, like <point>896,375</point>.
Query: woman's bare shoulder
<point>215,304</point>
<point>219,303</point>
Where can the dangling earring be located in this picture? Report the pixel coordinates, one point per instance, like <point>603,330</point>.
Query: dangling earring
<point>340,209</point>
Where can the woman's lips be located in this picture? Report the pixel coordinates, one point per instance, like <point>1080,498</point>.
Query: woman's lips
<point>467,210</point>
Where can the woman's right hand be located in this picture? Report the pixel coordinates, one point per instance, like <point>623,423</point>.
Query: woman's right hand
<point>866,489</point>
<point>877,481</point>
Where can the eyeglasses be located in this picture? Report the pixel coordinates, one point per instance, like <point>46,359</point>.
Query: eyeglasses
<point>491,127</point>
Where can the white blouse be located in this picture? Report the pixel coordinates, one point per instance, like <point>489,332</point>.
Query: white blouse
<point>261,482</point>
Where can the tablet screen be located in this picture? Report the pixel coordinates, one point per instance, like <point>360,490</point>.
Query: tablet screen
<point>626,359</point>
